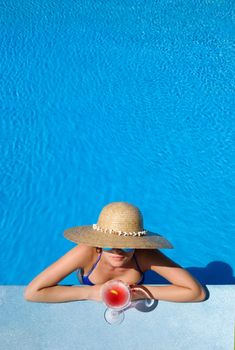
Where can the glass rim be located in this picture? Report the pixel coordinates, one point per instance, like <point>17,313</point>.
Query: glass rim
<point>108,285</point>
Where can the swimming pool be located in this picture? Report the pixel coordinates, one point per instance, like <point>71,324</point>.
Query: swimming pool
<point>108,101</point>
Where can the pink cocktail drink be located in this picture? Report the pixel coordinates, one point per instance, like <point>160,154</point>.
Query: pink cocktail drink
<point>116,294</point>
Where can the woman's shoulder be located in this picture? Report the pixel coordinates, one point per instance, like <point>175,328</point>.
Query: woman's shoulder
<point>88,253</point>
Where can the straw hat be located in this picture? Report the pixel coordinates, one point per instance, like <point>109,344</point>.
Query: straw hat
<point>120,225</point>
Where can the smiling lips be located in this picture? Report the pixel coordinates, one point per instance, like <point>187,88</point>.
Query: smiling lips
<point>118,257</point>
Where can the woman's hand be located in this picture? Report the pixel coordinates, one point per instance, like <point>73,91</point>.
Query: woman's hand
<point>140,292</point>
<point>95,292</point>
<point>136,294</point>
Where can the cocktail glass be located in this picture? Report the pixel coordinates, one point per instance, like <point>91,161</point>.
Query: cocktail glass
<point>116,294</point>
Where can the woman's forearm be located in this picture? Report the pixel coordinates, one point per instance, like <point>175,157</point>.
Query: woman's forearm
<point>57,294</point>
<point>171,293</point>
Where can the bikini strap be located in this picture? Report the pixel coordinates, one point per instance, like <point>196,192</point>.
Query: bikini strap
<point>94,265</point>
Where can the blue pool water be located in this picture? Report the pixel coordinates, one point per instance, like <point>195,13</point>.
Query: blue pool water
<point>106,101</point>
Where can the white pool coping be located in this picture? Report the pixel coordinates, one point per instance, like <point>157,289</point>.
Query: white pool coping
<point>207,325</point>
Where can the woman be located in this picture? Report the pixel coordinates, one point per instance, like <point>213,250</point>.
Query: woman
<point>117,247</point>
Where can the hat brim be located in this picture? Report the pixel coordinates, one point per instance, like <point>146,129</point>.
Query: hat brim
<point>87,235</point>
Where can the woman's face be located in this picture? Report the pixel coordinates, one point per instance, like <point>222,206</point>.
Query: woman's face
<point>117,257</point>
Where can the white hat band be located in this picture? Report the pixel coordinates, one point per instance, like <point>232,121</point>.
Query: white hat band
<point>120,233</point>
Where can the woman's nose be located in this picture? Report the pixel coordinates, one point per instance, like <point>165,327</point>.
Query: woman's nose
<point>117,250</point>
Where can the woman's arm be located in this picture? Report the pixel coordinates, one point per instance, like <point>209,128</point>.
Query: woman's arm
<point>58,294</point>
<point>184,288</point>
<point>44,288</point>
<point>169,293</point>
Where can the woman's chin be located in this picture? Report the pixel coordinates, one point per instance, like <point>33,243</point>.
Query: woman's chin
<point>118,261</point>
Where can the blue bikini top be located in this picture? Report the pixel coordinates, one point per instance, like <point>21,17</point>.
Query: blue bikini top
<point>85,279</point>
